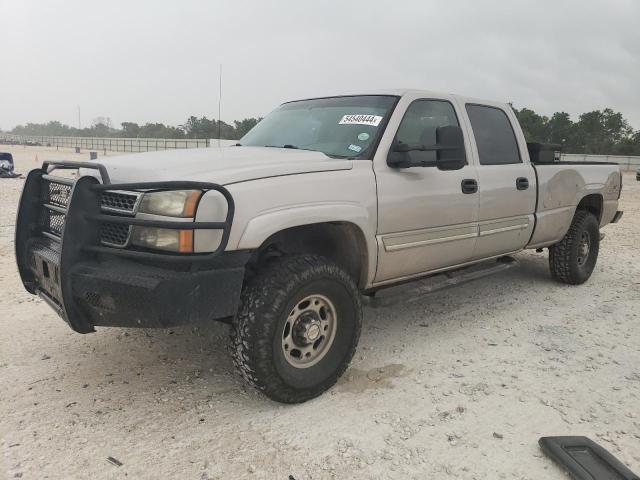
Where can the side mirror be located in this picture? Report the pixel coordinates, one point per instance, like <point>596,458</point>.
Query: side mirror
<point>451,154</point>
<point>449,151</point>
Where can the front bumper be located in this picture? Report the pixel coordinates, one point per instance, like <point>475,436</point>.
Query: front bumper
<point>89,284</point>
<point>114,292</point>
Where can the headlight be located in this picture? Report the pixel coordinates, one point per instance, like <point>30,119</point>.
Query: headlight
<point>168,239</point>
<point>173,203</point>
<point>210,205</point>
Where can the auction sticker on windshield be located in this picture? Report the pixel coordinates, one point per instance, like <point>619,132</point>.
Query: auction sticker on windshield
<point>355,119</point>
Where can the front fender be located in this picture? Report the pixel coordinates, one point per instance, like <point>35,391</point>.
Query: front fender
<point>270,222</point>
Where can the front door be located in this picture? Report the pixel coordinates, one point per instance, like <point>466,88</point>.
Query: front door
<point>507,185</point>
<point>425,220</point>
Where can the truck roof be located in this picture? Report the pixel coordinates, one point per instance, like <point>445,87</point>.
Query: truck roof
<point>409,91</point>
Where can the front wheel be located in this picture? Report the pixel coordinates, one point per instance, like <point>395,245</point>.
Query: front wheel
<point>297,327</point>
<point>573,259</point>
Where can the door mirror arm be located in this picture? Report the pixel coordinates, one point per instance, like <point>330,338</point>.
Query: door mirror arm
<point>399,158</point>
<point>449,148</point>
<point>403,147</point>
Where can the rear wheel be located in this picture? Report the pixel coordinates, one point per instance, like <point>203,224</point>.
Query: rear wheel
<point>297,327</point>
<point>573,259</point>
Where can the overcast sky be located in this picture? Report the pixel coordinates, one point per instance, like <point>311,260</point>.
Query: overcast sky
<point>157,60</point>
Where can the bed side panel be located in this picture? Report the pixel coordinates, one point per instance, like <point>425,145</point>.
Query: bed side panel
<point>560,189</point>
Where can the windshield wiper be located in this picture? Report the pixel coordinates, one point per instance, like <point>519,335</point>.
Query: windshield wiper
<point>286,145</point>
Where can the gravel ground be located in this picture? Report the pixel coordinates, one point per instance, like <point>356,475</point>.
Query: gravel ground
<point>459,385</point>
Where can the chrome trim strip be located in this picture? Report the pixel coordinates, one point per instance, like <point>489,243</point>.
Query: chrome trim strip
<point>451,233</point>
<point>428,236</point>
<point>402,246</point>
<point>503,229</point>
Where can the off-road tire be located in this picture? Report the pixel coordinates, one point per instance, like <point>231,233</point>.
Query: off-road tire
<point>265,303</point>
<point>564,255</point>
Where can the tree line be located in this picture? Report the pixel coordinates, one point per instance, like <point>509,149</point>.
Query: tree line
<point>194,127</point>
<point>597,132</point>
<point>602,132</point>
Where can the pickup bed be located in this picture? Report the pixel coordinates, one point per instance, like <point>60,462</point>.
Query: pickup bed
<point>324,201</point>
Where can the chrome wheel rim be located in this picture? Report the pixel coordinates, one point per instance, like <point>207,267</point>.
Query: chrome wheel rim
<point>583,248</point>
<point>309,331</point>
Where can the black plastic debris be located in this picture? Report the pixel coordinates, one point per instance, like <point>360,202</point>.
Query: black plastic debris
<point>114,461</point>
<point>584,459</point>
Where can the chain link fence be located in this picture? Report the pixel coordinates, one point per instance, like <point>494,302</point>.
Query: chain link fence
<point>111,144</point>
<point>627,163</point>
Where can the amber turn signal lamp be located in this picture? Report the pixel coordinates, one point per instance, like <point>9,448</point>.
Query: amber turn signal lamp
<point>186,241</point>
<point>191,204</point>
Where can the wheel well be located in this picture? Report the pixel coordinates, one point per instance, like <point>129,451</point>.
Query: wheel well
<point>342,242</point>
<point>592,203</point>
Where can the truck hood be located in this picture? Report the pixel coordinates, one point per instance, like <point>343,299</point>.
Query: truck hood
<point>221,165</point>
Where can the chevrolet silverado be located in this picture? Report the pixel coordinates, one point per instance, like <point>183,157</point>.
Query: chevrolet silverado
<point>323,203</point>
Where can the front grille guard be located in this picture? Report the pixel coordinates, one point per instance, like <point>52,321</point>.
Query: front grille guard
<point>79,239</point>
<point>95,219</point>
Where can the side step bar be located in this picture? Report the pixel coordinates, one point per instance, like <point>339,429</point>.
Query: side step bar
<point>584,459</point>
<point>417,289</point>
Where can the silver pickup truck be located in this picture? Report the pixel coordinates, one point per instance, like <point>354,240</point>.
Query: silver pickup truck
<point>325,201</point>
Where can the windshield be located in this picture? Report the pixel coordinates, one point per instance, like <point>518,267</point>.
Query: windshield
<point>337,126</point>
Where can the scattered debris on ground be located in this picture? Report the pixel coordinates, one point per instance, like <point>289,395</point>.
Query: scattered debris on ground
<point>114,461</point>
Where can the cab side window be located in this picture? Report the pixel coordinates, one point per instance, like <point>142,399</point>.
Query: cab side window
<point>418,126</point>
<point>494,135</point>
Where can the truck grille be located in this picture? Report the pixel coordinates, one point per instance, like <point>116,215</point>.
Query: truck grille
<point>114,234</point>
<point>57,194</point>
<point>120,202</point>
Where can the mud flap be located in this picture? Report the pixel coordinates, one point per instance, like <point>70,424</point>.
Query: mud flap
<point>584,459</point>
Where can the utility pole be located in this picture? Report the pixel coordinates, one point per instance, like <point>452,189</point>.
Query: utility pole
<point>219,103</point>
<point>79,123</point>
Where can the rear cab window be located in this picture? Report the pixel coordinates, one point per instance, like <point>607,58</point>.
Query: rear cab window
<point>494,135</point>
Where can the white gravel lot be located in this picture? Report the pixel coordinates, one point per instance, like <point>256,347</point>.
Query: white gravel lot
<point>458,385</point>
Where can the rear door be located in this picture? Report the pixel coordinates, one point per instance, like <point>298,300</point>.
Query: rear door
<point>506,182</point>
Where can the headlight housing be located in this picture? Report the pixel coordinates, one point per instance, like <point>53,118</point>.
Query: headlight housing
<point>168,239</point>
<point>172,203</point>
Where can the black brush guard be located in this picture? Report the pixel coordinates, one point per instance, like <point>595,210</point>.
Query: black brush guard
<point>89,284</point>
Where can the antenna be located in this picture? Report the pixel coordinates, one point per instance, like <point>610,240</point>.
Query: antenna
<point>219,104</point>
